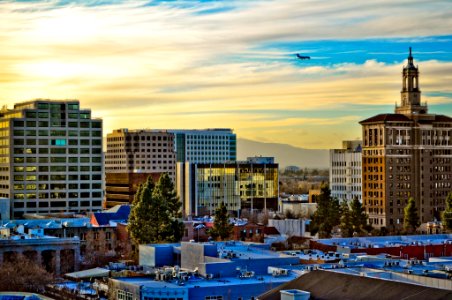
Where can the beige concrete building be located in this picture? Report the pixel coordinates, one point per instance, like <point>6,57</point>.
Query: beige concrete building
<point>406,154</point>
<point>345,171</point>
<point>50,157</point>
<point>140,151</point>
<point>132,156</point>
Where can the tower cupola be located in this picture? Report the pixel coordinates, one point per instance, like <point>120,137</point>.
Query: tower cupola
<point>410,94</point>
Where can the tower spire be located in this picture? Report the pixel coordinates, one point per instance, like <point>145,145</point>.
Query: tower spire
<point>410,94</point>
<point>410,61</point>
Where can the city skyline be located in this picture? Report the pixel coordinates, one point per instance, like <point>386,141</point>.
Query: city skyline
<point>228,64</point>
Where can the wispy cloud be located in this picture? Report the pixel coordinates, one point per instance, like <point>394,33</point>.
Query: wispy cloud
<point>160,64</point>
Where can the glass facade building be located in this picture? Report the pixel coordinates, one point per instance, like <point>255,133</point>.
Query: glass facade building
<point>205,146</point>
<point>50,158</point>
<point>239,185</point>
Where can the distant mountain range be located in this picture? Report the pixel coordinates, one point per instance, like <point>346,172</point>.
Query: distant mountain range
<point>284,154</point>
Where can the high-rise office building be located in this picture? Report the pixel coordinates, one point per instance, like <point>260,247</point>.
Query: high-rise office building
<point>345,171</point>
<point>132,156</point>
<point>406,154</point>
<point>205,145</point>
<point>50,157</point>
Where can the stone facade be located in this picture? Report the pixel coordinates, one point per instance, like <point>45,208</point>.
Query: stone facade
<point>57,255</point>
<point>406,154</point>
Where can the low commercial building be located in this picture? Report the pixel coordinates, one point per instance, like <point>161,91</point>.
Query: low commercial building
<point>415,246</point>
<point>231,270</point>
<point>57,255</point>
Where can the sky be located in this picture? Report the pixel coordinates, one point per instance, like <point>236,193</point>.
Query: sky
<point>228,64</point>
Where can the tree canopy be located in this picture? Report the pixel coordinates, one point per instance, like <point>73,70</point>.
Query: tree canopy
<point>22,274</point>
<point>156,213</point>
<point>358,216</point>
<point>327,214</point>
<point>222,229</point>
<point>446,216</point>
<point>346,222</point>
<point>353,218</point>
<point>411,217</point>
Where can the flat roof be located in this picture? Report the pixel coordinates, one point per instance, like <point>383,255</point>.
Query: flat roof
<point>202,282</point>
<point>388,241</point>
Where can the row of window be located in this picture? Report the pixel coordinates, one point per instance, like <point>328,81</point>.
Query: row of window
<point>60,123</point>
<point>58,151</point>
<point>57,159</point>
<point>71,186</point>
<point>44,132</point>
<point>63,168</point>
<point>57,106</point>
<point>55,204</point>
<point>57,142</point>
<point>57,195</point>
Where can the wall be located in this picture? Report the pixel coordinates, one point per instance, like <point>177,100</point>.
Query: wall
<point>408,252</point>
<point>289,227</point>
<point>241,290</point>
<point>156,255</point>
<point>259,266</point>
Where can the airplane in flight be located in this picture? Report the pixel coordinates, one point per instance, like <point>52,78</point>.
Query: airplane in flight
<point>303,57</point>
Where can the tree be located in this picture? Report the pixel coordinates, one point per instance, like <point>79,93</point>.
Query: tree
<point>410,218</point>
<point>24,275</point>
<point>222,229</point>
<point>327,214</point>
<point>346,222</point>
<point>164,189</point>
<point>154,217</point>
<point>446,216</point>
<point>358,216</point>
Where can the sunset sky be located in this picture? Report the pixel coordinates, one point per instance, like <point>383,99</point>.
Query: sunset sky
<point>228,64</point>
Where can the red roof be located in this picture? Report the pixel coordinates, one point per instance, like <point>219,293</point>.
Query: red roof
<point>271,230</point>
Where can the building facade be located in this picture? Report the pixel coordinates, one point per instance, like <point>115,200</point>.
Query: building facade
<point>406,154</point>
<point>345,171</point>
<point>131,157</point>
<point>251,185</point>
<point>140,151</point>
<point>205,146</point>
<point>50,158</point>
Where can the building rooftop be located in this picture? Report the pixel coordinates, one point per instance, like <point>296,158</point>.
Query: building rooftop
<point>332,285</point>
<point>387,118</point>
<point>194,281</point>
<point>388,241</point>
<point>118,213</point>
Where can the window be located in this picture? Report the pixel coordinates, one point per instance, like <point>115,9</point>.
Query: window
<point>58,151</point>
<point>59,142</point>
<point>43,105</point>
<point>30,114</point>
<point>73,106</point>
<point>123,295</point>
